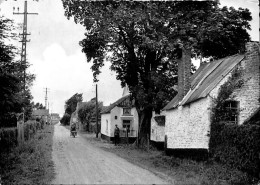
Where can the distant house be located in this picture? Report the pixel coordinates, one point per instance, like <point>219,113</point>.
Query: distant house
<point>158,129</point>
<point>41,113</point>
<point>121,113</point>
<point>188,115</point>
<point>55,117</point>
<point>74,117</point>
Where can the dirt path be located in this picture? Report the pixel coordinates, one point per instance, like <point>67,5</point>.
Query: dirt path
<point>78,162</point>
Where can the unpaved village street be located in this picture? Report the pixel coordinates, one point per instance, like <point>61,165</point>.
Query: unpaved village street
<point>79,162</point>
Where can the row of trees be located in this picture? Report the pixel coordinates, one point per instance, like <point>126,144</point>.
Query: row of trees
<point>70,107</point>
<point>86,111</point>
<point>146,38</point>
<point>13,97</point>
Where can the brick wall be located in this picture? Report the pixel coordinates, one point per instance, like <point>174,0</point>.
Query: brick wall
<point>184,70</point>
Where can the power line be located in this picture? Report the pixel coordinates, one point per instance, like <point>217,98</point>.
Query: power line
<point>24,39</point>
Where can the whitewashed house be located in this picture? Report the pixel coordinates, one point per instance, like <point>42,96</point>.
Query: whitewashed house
<point>123,114</point>
<point>188,115</point>
<point>158,129</point>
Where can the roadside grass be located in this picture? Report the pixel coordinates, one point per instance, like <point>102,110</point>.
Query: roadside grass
<point>175,170</point>
<point>30,163</point>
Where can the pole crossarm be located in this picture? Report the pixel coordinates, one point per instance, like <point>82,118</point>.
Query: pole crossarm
<point>24,39</point>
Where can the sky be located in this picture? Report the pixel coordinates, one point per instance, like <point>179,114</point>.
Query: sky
<point>56,58</point>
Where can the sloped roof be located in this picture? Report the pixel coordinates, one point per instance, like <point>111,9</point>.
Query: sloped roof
<point>205,79</point>
<point>40,112</point>
<point>110,107</point>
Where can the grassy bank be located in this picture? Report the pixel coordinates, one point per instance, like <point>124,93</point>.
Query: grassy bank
<point>30,163</point>
<point>175,170</point>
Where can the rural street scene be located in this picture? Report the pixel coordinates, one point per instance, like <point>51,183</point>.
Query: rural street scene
<point>130,92</point>
<point>78,162</point>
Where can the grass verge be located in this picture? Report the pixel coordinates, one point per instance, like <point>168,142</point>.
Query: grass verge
<point>175,170</point>
<point>30,163</point>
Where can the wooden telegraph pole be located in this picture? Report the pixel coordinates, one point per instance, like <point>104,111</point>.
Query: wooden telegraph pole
<point>97,112</point>
<point>24,40</point>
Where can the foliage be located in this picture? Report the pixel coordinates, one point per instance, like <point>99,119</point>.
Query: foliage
<point>71,104</point>
<point>13,99</point>
<point>234,145</point>
<point>88,111</point>
<point>235,81</point>
<point>65,120</point>
<point>237,146</point>
<point>8,138</point>
<point>145,39</point>
<point>31,162</point>
<point>37,105</point>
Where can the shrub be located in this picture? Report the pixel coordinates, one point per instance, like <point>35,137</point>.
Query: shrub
<point>8,138</point>
<point>65,120</point>
<point>237,146</point>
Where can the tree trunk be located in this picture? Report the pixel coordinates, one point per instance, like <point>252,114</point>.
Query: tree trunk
<point>144,127</point>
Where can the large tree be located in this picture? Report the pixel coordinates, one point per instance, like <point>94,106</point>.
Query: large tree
<point>145,40</point>
<point>13,98</point>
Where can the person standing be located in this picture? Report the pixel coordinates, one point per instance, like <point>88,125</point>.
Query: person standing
<point>116,135</point>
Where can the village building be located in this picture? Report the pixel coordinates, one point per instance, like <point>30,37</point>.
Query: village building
<point>55,118</point>
<point>188,115</point>
<point>41,114</point>
<point>123,114</point>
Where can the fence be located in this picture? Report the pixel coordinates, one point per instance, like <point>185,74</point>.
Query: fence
<point>10,137</point>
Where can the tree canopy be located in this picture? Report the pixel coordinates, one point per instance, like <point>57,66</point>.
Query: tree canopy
<point>13,99</point>
<point>144,39</point>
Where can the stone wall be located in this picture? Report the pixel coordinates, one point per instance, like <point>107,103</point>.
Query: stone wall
<point>187,127</point>
<point>248,95</point>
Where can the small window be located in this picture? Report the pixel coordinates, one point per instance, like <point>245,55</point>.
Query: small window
<point>232,111</point>
<point>115,117</point>
<point>126,111</point>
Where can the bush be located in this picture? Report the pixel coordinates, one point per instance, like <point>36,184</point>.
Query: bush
<point>8,138</point>
<point>65,120</point>
<point>237,146</point>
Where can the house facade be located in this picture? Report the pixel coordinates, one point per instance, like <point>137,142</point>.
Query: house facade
<point>123,114</point>
<point>158,129</point>
<point>188,115</point>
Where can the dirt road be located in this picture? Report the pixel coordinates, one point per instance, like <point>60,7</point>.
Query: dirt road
<point>79,162</point>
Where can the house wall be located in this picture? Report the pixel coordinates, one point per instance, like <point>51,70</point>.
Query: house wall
<point>188,126</point>
<point>157,131</point>
<point>105,124</point>
<point>248,95</point>
<point>112,121</point>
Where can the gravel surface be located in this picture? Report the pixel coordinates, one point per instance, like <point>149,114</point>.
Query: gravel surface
<point>77,161</point>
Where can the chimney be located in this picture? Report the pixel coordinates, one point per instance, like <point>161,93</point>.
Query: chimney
<point>184,70</point>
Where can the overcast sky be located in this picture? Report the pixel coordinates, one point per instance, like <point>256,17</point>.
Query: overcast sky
<point>56,58</point>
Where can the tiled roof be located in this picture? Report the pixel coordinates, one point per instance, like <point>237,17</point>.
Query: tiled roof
<point>205,79</point>
<point>110,107</point>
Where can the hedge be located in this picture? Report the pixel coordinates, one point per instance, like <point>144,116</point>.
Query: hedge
<point>237,146</point>
<point>8,136</point>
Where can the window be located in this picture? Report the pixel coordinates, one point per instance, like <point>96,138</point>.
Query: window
<point>126,123</point>
<point>115,117</point>
<point>232,111</point>
<point>126,111</point>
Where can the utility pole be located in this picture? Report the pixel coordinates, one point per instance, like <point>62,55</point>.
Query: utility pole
<point>96,111</point>
<point>46,90</point>
<point>24,39</point>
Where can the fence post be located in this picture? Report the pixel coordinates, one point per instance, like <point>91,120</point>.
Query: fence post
<point>20,128</point>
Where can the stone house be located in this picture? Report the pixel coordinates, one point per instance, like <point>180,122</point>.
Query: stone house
<point>188,115</point>
<point>123,114</point>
